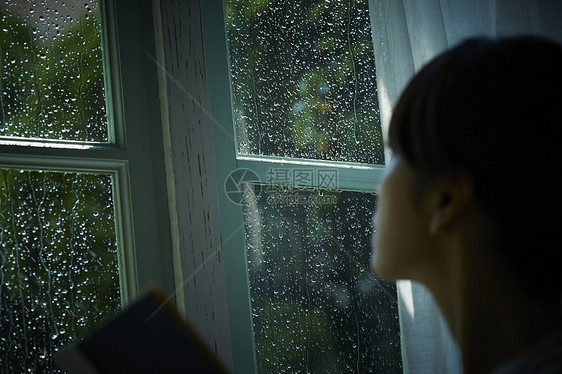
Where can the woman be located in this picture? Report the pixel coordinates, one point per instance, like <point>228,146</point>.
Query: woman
<point>470,202</point>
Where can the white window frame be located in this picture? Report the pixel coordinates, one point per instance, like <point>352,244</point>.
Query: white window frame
<point>351,176</point>
<point>146,172</point>
<point>134,156</point>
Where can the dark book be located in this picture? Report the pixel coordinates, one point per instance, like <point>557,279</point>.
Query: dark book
<point>149,336</point>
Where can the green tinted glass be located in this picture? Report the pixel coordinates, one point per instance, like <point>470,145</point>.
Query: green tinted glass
<point>58,263</point>
<point>317,307</point>
<point>303,79</point>
<point>52,71</point>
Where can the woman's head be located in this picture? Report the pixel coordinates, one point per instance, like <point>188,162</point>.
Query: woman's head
<point>493,111</point>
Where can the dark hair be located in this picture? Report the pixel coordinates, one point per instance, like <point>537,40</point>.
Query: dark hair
<point>493,108</point>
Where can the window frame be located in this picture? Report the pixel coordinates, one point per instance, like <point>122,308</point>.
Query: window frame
<point>133,155</point>
<point>351,176</point>
<point>137,160</point>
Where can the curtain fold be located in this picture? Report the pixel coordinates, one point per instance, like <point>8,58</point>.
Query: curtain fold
<point>393,55</point>
<point>406,35</point>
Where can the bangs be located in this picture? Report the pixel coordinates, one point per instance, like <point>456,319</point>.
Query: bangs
<point>432,120</point>
<point>412,133</point>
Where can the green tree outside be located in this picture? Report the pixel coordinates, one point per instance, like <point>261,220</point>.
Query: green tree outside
<point>58,252</point>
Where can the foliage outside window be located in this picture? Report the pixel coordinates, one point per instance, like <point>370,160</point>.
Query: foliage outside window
<point>58,247</point>
<point>303,80</point>
<point>52,71</point>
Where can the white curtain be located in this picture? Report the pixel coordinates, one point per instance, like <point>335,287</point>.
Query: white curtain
<point>406,35</point>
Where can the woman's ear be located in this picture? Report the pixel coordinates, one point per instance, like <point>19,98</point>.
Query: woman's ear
<point>450,195</point>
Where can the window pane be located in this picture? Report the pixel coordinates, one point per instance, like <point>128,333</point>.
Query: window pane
<point>51,71</point>
<point>303,79</point>
<point>58,263</point>
<point>317,307</point>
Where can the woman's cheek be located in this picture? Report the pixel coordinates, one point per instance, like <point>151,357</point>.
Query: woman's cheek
<point>393,243</point>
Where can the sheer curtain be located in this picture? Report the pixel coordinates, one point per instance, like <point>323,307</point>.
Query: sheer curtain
<point>406,35</point>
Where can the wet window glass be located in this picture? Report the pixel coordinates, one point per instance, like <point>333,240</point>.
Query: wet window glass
<point>303,79</point>
<point>58,263</point>
<point>317,306</point>
<point>51,71</point>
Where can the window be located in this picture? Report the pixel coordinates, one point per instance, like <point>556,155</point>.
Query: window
<point>305,161</point>
<point>122,161</point>
<point>83,209</point>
